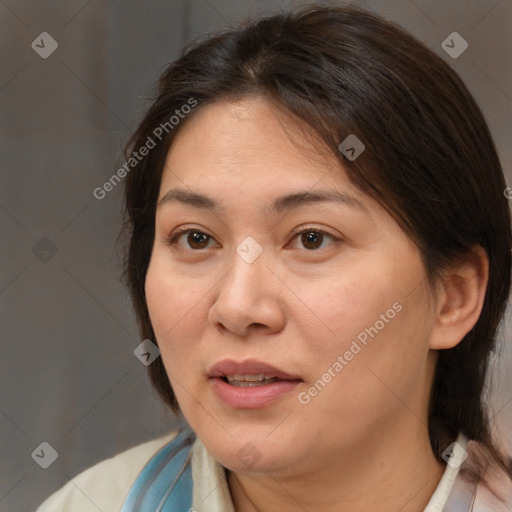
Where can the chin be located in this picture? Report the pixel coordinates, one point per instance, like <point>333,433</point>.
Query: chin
<point>250,451</point>
<point>250,459</point>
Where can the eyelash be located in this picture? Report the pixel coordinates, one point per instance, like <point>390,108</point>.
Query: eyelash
<point>173,239</point>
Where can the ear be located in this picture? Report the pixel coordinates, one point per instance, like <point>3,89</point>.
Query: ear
<point>460,299</point>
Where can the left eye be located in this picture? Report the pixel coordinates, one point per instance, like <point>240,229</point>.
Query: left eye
<point>312,239</point>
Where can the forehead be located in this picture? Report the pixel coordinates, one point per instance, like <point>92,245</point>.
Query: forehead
<point>249,146</point>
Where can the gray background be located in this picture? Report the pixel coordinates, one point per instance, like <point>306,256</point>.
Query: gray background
<point>68,375</point>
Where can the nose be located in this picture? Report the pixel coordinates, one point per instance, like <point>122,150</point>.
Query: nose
<point>248,298</point>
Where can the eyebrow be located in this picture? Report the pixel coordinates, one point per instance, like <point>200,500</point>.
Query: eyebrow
<point>281,204</point>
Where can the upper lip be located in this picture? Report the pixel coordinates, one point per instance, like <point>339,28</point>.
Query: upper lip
<point>248,367</point>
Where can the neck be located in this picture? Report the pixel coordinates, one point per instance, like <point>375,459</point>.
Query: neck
<point>399,472</point>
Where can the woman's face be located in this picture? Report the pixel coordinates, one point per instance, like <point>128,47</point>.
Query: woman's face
<point>283,348</point>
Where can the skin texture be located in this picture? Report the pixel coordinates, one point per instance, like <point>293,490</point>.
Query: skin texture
<point>361,443</point>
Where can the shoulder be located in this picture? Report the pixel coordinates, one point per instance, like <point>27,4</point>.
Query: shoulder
<point>105,485</point>
<point>493,491</point>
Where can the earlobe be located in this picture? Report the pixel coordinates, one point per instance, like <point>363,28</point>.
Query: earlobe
<point>460,299</point>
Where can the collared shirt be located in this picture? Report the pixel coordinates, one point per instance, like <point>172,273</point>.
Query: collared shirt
<point>105,485</point>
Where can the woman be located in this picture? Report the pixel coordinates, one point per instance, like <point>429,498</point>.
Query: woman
<point>320,248</point>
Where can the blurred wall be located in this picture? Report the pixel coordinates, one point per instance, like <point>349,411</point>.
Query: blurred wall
<point>68,373</point>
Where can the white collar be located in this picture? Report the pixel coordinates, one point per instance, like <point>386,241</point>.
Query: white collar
<point>443,489</point>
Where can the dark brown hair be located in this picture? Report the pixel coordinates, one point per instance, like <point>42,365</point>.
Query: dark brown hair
<point>429,160</point>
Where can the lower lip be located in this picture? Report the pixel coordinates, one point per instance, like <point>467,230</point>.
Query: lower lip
<point>252,397</point>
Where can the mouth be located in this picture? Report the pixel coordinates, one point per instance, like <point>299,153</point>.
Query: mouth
<point>250,384</point>
<point>248,373</point>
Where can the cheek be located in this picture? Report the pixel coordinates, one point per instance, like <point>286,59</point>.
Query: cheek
<point>159,294</point>
<point>172,307</point>
<point>374,322</point>
<point>352,301</point>
<point>173,304</point>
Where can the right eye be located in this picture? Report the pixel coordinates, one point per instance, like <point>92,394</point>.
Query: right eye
<point>195,239</point>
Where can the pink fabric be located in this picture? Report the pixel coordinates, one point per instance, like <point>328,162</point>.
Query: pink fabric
<point>491,492</point>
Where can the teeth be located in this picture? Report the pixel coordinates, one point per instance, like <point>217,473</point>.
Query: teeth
<point>246,384</point>
<point>248,378</point>
<point>244,381</point>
